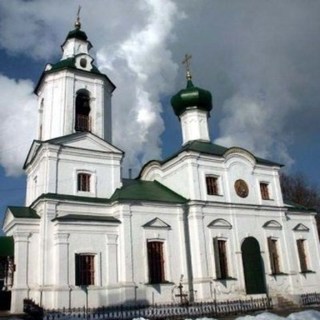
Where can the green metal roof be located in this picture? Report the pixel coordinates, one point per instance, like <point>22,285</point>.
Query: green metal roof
<point>213,149</point>
<point>132,190</point>
<point>138,190</point>
<point>56,196</point>
<point>92,218</point>
<point>23,212</point>
<point>6,247</point>
<point>77,34</point>
<point>292,206</point>
<point>69,63</point>
<point>191,96</point>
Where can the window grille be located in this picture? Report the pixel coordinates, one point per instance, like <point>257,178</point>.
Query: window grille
<point>212,185</point>
<point>84,182</point>
<point>264,189</point>
<point>82,118</point>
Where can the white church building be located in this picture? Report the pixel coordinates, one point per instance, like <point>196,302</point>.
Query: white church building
<point>210,217</point>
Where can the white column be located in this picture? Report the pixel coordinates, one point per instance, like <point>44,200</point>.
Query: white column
<point>61,270</point>
<point>20,283</point>
<point>61,259</point>
<point>112,259</point>
<point>198,244</point>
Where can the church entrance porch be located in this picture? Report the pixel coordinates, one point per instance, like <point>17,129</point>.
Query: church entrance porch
<point>253,266</point>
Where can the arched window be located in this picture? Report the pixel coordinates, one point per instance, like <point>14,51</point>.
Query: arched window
<point>82,121</point>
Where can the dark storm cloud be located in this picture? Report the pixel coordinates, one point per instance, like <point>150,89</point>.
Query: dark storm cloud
<point>261,61</point>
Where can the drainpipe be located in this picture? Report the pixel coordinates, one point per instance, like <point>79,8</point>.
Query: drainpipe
<point>188,251</point>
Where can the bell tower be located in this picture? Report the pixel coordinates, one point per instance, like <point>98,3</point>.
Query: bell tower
<point>73,95</point>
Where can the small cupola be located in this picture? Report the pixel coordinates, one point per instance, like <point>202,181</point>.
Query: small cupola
<point>192,105</point>
<point>76,42</point>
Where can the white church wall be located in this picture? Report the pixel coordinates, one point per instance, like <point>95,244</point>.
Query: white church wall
<point>169,233</point>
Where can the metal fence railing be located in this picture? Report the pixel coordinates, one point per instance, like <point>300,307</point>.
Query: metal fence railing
<point>158,311</point>
<point>310,298</point>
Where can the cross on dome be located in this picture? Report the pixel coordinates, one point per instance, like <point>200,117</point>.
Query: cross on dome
<point>77,24</point>
<point>187,62</point>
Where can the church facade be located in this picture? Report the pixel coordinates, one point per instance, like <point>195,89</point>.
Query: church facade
<point>210,218</point>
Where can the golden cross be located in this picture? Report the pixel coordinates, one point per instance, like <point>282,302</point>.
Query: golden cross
<point>78,23</point>
<point>78,14</point>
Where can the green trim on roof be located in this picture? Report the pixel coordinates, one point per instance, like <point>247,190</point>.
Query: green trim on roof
<point>69,63</point>
<point>6,247</point>
<point>213,149</point>
<point>138,190</point>
<point>89,218</point>
<point>56,196</point>
<point>77,34</point>
<point>292,206</point>
<point>23,212</point>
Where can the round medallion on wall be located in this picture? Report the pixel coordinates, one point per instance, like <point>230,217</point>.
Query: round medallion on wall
<point>241,188</point>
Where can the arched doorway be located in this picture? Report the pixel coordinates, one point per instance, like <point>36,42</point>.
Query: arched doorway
<point>253,266</point>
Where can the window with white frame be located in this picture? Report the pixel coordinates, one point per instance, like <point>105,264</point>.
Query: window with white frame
<point>83,182</point>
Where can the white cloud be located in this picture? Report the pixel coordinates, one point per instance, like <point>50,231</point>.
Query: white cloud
<point>18,113</point>
<point>143,69</point>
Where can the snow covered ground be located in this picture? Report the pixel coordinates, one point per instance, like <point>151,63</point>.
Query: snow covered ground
<point>302,315</point>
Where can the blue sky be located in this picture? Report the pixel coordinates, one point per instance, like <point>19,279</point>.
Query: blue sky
<point>260,60</point>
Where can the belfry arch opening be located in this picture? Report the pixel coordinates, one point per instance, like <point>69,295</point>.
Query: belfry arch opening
<point>82,118</point>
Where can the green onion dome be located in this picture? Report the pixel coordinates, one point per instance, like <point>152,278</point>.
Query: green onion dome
<point>77,34</point>
<point>191,97</point>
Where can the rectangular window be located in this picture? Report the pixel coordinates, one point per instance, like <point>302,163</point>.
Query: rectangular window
<point>84,269</point>
<point>264,189</point>
<point>155,262</point>
<point>84,182</point>
<point>302,255</point>
<point>221,261</point>
<point>212,185</point>
<point>274,257</point>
